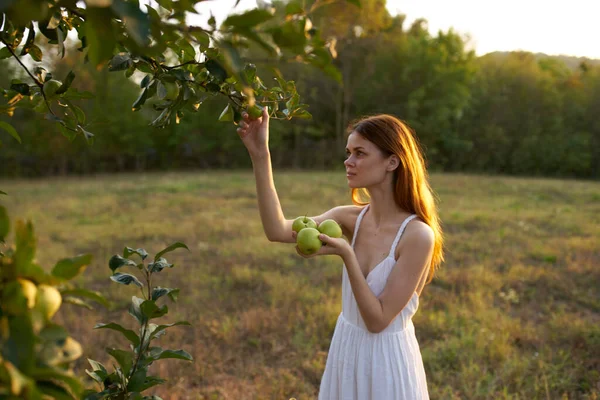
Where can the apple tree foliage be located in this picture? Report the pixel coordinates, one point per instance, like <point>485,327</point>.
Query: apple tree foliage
<point>182,65</point>
<point>36,353</point>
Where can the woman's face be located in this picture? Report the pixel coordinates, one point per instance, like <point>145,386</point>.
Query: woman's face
<point>366,165</point>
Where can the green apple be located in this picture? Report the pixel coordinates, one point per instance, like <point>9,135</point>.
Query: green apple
<point>50,88</point>
<point>308,241</point>
<point>255,111</point>
<point>330,228</point>
<point>172,90</point>
<point>48,301</point>
<point>303,222</point>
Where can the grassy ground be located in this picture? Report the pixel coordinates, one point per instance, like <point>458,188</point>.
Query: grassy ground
<point>513,314</point>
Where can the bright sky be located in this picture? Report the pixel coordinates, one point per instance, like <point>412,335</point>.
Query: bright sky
<point>547,26</point>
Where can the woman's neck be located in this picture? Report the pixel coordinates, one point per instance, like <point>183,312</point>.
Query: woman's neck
<point>383,207</point>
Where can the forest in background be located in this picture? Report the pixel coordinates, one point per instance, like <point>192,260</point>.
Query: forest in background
<point>515,113</point>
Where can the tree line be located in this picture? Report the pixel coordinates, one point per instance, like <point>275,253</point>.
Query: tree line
<point>514,113</point>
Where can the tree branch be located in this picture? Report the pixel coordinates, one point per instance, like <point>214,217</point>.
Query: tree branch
<point>75,12</point>
<point>180,65</point>
<point>37,82</point>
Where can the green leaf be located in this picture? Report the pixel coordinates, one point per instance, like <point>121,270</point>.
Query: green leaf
<point>89,136</point>
<point>302,114</point>
<point>294,7</point>
<point>248,19</point>
<point>148,382</point>
<point>97,366</point>
<point>125,279</point>
<point>26,244</point>
<point>135,310</point>
<point>60,377</point>
<point>145,81</point>
<point>99,34</point>
<point>117,261</point>
<point>150,310</point>
<point>30,39</point>
<point>178,354</point>
<point>67,83</point>
<point>88,294</point>
<point>227,114</point>
<point>158,292</point>
<point>136,383</point>
<point>159,265</point>
<point>21,88</point>
<point>290,35</point>
<point>136,22</point>
<point>61,41</point>
<point>124,358</point>
<point>53,332</point>
<point>19,347</point>
<point>139,102</point>
<point>186,50</point>
<point>170,248</point>
<point>140,252</point>
<point>36,53</point>
<point>216,70</point>
<point>128,333</point>
<point>161,328</point>
<point>73,93</point>
<point>53,390</point>
<point>5,53</point>
<point>78,112</point>
<point>14,300</point>
<point>77,302</point>
<point>120,62</point>
<point>18,381</point>
<point>69,268</point>
<point>98,372</point>
<point>4,223</point>
<point>355,2</point>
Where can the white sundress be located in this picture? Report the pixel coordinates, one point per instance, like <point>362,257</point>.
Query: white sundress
<point>374,366</point>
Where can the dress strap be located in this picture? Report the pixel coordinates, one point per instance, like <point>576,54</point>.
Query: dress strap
<point>400,231</point>
<point>357,224</point>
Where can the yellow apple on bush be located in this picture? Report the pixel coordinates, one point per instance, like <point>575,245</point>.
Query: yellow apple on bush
<point>48,301</point>
<point>308,241</point>
<point>54,352</point>
<point>303,222</point>
<point>29,290</point>
<point>330,228</point>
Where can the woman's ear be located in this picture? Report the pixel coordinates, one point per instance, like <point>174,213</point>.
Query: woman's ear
<point>393,162</point>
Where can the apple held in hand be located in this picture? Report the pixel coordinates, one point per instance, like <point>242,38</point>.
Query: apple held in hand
<point>308,241</point>
<point>303,222</point>
<point>330,228</point>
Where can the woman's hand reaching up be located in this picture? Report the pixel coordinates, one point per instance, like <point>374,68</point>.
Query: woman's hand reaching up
<point>255,133</point>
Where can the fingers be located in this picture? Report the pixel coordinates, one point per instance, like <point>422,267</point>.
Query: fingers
<point>294,234</point>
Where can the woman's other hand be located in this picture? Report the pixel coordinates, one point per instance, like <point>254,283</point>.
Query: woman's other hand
<point>331,246</point>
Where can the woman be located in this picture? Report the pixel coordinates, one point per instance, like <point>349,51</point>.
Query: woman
<point>396,246</point>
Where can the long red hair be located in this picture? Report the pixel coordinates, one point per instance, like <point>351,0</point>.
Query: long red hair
<point>412,190</point>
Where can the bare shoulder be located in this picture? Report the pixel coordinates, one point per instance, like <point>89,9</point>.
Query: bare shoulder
<point>418,234</point>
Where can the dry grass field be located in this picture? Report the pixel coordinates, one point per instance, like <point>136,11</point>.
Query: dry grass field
<point>514,313</point>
